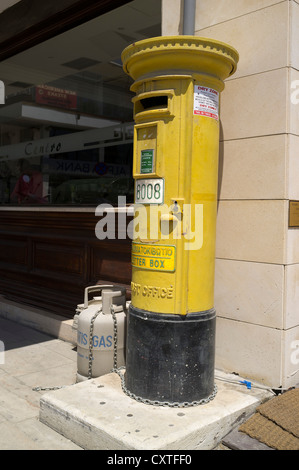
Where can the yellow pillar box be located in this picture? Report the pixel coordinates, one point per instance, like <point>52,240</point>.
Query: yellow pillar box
<point>171,322</point>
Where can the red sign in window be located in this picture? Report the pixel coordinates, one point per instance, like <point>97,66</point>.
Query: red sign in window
<point>56,97</point>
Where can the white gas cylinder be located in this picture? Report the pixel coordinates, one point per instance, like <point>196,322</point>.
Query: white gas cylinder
<point>96,331</point>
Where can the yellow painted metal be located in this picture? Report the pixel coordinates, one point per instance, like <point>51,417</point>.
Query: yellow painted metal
<point>177,83</point>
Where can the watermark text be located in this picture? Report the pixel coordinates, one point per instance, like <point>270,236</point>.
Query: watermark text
<point>152,223</point>
<point>295,352</point>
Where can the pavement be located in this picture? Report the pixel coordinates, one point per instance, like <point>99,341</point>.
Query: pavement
<point>31,359</point>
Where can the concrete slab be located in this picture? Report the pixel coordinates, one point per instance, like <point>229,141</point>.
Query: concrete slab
<point>98,415</point>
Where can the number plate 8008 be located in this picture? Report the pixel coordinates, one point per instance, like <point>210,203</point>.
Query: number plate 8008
<point>149,191</point>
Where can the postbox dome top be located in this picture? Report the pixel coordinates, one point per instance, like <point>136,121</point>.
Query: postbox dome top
<point>180,55</point>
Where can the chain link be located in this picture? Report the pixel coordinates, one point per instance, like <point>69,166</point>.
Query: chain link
<point>146,401</point>
<point>42,389</point>
<point>90,356</point>
<point>118,370</point>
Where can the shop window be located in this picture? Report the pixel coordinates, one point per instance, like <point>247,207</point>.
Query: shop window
<point>66,130</point>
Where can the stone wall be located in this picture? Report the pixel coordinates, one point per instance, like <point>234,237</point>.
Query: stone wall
<point>257,265</point>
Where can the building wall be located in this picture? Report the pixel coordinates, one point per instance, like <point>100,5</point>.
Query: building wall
<point>257,265</point>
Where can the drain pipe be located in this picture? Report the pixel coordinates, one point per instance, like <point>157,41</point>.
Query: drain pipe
<point>189,17</point>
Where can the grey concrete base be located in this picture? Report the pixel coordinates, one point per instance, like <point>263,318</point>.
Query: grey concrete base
<point>98,415</point>
<point>40,320</point>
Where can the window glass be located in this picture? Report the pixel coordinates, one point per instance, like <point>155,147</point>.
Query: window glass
<point>66,130</point>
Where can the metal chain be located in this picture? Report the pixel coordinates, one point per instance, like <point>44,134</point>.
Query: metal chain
<point>118,370</point>
<point>42,389</point>
<point>115,337</point>
<point>146,401</point>
<point>91,343</point>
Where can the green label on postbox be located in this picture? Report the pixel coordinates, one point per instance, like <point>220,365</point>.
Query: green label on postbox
<point>147,161</point>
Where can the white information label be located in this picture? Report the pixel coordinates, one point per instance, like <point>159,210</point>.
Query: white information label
<point>206,102</point>
<point>149,191</point>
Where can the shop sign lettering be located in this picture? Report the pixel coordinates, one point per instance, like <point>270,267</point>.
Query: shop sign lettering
<point>40,149</point>
<point>77,167</point>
